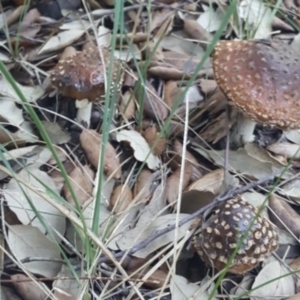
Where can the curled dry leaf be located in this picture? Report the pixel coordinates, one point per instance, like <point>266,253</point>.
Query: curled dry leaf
<point>211,182</point>
<point>142,151</point>
<point>90,142</point>
<point>151,135</point>
<point>81,181</point>
<point>283,215</point>
<point>173,182</point>
<point>29,290</point>
<point>142,187</point>
<point>285,149</point>
<point>127,105</point>
<point>121,198</point>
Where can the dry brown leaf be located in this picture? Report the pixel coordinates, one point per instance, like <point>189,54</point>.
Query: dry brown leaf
<point>280,24</point>
<point>90,142</point>
<point>295,264</point>
<point>61,40</point>
<point>56,174</point>
<point>127,105</point>
<point>66,289</point>
<point>171,93</point>
<point>291,189</point>
<point>154,50</point>
<point>195,31</point>
<point>182,289</point>
<point>282,284</point>
<point>185,63</point>
<point>156,280</point>
<point>133,37</point>
<point>28,241</point>
<point>176,128</point>
<point>142,187</point>
<point>29,28</point>
<point>282,215</point>
<point>251,160</point>
<point>81,181</point>
<point>133,263</point>
<point>243,286</point>
<point>173,182</point>
<point>121,198</point>
<point>168,73</point>
<point>14,15</point>
<point>28,289</point>
<point>147,229</point>
<point>154,107</point>
<point>189,157</point>
<point>295,297</point>
<point>159,18</point>
<point>211,182</point>
<point>287,150</point>
<point>151,135</point>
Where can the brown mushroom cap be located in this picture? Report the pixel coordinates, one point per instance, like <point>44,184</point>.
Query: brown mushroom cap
<point>82,76</point>
<point>221,233</point>
<point>262,79</point>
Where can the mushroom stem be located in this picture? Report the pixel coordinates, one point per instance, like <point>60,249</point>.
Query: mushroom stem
<point>243,131</point>
<point>84,111</point>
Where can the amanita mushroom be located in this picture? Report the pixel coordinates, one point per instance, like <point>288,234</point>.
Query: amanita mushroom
<point>221,233</point>
<point>82,76</point>
<point>261,79</point>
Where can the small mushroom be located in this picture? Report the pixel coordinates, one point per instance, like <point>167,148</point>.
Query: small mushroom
<point>221,233</point>
<point>261,79</point>
<point>82,76</point>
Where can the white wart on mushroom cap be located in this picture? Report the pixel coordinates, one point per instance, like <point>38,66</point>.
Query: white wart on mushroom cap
<point>220,235</point>
<point>261,79</point>
<point>82,76</point>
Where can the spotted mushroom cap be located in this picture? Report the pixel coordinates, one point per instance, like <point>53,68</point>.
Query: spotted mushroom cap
<point>220,234</point>
<point>81,76</point>
<point>262,79</point>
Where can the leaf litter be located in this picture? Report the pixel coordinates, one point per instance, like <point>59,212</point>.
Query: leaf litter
<point>163,162</point>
